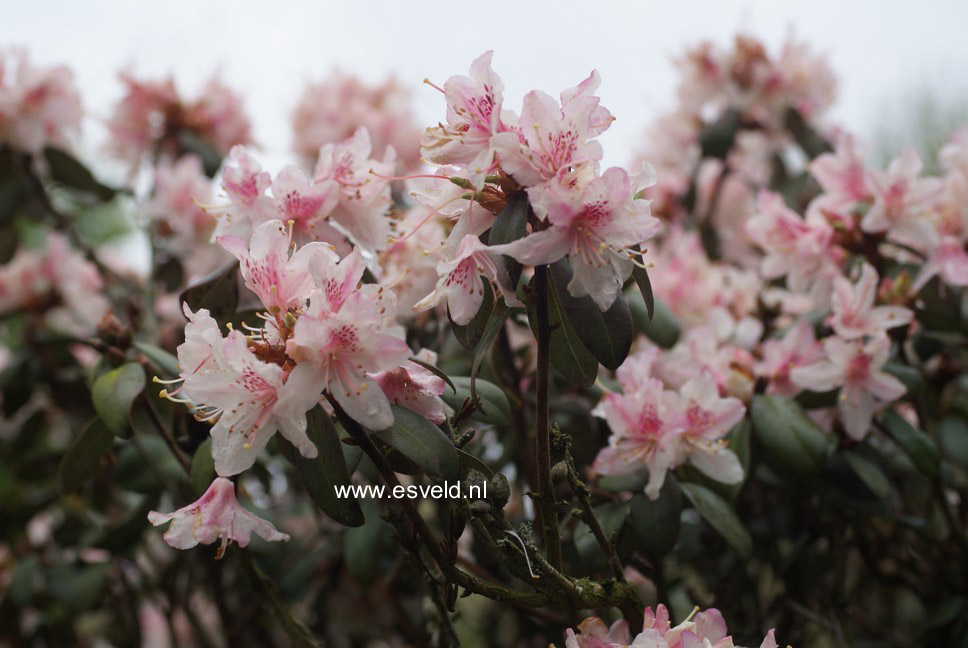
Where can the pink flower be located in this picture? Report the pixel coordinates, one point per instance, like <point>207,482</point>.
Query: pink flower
<point>332,110</point>
<point>416,388</point>
<point>553,139</point>
<point>641,423</point>
<point>844,181</point>
<point>797,347</point>
<point>899,193</point>
<point>460,281</point>
<point>796,248</point>
<point>593,633</point>
<point>854,313</point>
<point>251,399</point>
<point>364,188</point>
<point>596,226</point>
<point>245,184</point>
<point>301,201</point>
<point>215,515</point>
<point>39,106</point>
<point>281,282</point>
<point>340,341</point>
<point>857,368</point>
<point>473,116</point>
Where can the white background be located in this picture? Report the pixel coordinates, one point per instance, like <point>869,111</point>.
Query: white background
<point>268,50</point>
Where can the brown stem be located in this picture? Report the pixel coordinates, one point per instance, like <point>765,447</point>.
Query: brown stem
<point>588,517</point>
<point>546,494</point>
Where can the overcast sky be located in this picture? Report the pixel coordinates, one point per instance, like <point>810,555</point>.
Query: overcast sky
<point>268,50</point>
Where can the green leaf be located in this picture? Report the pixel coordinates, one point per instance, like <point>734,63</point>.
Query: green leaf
<point>915,443</point>
<point>812,143</point>
<point>716,140</point>
<point>510,225</point>
<point>567,353</point>
<point>659,325</point>
<point>78,588</point>
<point>656,523</point>
<point>872,476</point>
<point>953,432</point>
<point>496,409</point>
<point>721,517</point>
<point>793,442</point>
<point>161,359</point>
<point>84,455</point>
<point>327,470</point>
<point>190,142</point>
<point>114,392</point>
<point>202,471</point>
<point>421,442</point>
<point>495,326</point>
<point>365,545</point>
<point>611,516</point>
<point>218,292</point>
<point>469,335</point>
<point>641,277</point>
<point>469,462</point>
<point>68,171</point>
<point>607,335</point>
<point>146,465</point>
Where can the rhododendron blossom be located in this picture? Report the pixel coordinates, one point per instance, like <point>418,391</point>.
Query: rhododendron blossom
<point>855,367</point>
<point>39,106</point>
<point>854,313</point>
<point>216,515</point>
<point>899,193</point>
<point>599,227</point>
<point>416,388</point>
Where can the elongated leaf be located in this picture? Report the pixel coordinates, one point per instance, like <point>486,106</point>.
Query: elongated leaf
<point>510,225</point>
<point>717,139</point>
<point>469,335</point>
<point>721,517</point>
<point>422,442</point>
<point>68,171</point>
<point>469,462</point>
<point>495,407</point>
<point>491,331</point>
<point>218,292</point>
<point>660,325</point>
<point>656,523</point>
<point>146,465</point>
<point>608,335</point>
<point>872,476</point>
<point>915,443</point>
<point>164,361</point>
<point>793,442</point>
<point>641,277</point>
<point>953,432</point>
<point>365,545</point>
<point>568,353</point>
<point>202,471</point>
<point>114,392</point>
<point>326,471</point>
<point>82,458</point>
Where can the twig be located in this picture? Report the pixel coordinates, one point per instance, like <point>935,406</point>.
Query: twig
<point>588,517</point>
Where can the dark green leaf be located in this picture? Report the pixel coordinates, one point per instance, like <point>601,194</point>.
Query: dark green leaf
<point>469,462</point>
<point>721,517</point>
<point>568,354</point>
<point>68,171</point>
<point>812,143</point>
<point>792,441</point>
<point>660,325</point>
<point>607,335</point>
<point>510,225</point>
<point>915,443</point>
<point>161,359</point>
<point>656,523</point>
<point>641,277</point>
<point>365,545</point>
<point>496,410</point>
<point>422,442</point>
<point>716,140</point>
<point>84,455</point>
<point>495,326</point>
<point>953,433</point>
<point>114,392</point>
<point>872,476</point>
<point>218,292</point>
<point>190,142</point>
<point>327,470</point>
<point>78,588</point>
<point>146,465</point>
<point>203,467</point>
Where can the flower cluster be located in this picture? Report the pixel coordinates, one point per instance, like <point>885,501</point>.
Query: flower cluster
<point>39,106</point>
<point>596,219</point>
<point>153,118</point>
<point>706,629</point>
<point>332,110</point>
<point>56,281</point>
